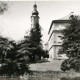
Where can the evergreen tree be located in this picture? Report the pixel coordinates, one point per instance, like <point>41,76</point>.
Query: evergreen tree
<point>35,36</point>
<point>71,41</point>
<point>35,42</point>
<point>71,37</point>
<point>13,59</point>
<point>23,47</point>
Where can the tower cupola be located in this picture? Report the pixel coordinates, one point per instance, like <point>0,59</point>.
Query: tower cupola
<point>35,7</point>
<point>35,12</point>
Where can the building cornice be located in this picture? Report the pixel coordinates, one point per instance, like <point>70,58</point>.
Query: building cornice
<point>54,31</point>
<point>58,21</point>
<point>54,45</point>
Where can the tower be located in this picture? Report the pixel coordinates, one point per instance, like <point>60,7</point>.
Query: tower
<point>34,17</point>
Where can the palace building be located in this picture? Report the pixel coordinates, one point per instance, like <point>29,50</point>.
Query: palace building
<point>54,41</point>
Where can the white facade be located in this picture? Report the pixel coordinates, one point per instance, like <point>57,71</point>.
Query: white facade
<point>55,42</point>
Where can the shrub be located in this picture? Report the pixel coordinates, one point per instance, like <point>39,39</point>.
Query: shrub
<point>68,64</point>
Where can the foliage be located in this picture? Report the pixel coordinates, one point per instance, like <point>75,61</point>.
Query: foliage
<point>65,65</point>
<point>36,42</point>
<point>23,47</point>
<point>16,57</point>
<point>35,36</point>
<point>71,37</point>
<point>46,55</point>
<point>3,7</point>
<point>13,62</point>
<point>71,42</point>
<point>31,44</point>
<point>72,63</point>
<point>4,47</point>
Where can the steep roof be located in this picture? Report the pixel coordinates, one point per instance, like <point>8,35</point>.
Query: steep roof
<point>64,19</point>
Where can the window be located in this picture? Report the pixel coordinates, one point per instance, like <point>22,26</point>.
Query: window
<point>59,39</point>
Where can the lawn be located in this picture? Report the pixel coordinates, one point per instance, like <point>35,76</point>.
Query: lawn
<point>52,75</point>
<point>46,66</point>
<point>51,71</point>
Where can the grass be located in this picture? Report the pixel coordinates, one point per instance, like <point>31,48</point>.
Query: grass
<point>51,71</point>
<point>44,75</point>
<point>46,66</point>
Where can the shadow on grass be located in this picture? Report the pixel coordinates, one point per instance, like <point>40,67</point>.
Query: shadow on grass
<point>40,61</point>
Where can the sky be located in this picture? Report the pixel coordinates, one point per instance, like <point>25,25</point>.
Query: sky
<point>16,21</point>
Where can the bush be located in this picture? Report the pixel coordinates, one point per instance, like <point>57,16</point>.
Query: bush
<point>68,64</point>
<point>46,55</point>
<point>65,65</point>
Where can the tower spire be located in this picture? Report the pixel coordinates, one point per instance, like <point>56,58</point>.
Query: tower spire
<point>35,7</point>
<point>35,12</point>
